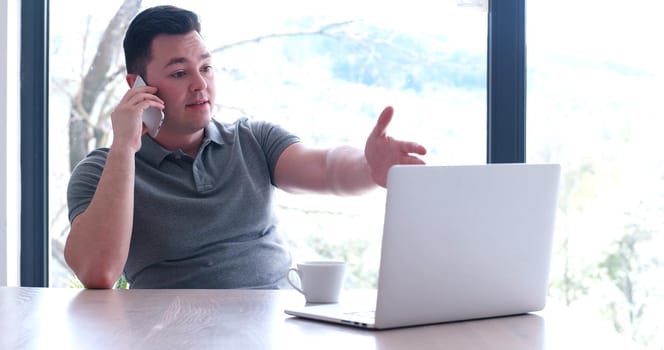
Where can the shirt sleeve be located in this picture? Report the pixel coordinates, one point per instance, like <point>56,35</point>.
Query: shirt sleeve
<point>83,182</point>
<point>273,140</point>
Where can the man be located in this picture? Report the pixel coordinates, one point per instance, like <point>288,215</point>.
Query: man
<point>192,207</point>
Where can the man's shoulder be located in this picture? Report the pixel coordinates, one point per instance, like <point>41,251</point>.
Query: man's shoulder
<point>92,165</point>
<point>96,155</point>
<point>94,159</point>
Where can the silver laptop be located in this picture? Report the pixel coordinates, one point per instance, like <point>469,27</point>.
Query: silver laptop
<point>459,243</point>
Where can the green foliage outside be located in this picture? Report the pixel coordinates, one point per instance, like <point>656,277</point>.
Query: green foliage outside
<point>121,283</point>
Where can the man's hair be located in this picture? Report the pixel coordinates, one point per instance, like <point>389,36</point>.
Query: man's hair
<point>149,24</point>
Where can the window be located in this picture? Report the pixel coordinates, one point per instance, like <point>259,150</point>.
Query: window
<point>323,72</point>
<point>594,84</point>
<point>593,70</point>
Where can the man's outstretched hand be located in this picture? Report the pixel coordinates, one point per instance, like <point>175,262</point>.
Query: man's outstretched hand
<point>382,151</point>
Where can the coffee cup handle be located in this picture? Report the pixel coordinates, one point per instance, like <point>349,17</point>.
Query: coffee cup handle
<point>288,279</point>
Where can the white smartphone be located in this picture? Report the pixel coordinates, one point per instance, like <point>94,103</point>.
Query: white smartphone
<point>152,117</point>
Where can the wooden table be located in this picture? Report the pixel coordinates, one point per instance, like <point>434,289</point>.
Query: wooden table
<point>50,318</point>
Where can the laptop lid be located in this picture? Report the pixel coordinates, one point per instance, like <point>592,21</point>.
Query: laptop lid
<point>465,242</point>
<point>459,242</point>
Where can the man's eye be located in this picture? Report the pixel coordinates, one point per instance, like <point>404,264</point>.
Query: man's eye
<point>178,74</point>
<point>208,69</point>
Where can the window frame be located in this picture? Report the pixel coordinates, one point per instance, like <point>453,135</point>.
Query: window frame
<point>34,236</point>
<point>506,119</point>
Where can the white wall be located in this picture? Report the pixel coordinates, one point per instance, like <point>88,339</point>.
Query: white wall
<point>9,144</point>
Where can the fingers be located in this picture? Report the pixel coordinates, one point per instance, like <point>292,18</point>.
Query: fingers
<point>133,104</point>
<point>150,101</point>
<point>411,160</point>
<point>383,121</point>
<point>142,100</point>
<point>380,130</point>
<point>147,104</point>
<point>412,147</point>
<point>144,91</point>
<point>140,96</point>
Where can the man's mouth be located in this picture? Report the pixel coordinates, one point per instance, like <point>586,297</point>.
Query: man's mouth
<point>197,103</point>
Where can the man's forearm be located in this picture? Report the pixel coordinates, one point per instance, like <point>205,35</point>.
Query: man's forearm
<point>98,243</point>
<point>348,171</point>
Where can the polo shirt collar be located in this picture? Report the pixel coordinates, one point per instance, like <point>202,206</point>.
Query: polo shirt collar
<point>154,153</point>
<point>212,134</point>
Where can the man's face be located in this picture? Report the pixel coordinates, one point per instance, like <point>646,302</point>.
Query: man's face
<point>181,69</point>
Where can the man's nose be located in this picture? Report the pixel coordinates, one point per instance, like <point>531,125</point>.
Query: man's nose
<point>199,83</point>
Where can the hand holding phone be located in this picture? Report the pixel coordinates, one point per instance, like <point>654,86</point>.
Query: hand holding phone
<point>153,118</point>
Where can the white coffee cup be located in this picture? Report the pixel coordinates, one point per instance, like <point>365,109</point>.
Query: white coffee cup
<point>320,281</point>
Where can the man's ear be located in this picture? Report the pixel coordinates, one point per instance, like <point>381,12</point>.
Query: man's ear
<point>131,78</point>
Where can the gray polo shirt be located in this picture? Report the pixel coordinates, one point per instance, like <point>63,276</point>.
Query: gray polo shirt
<point>206,222</point>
